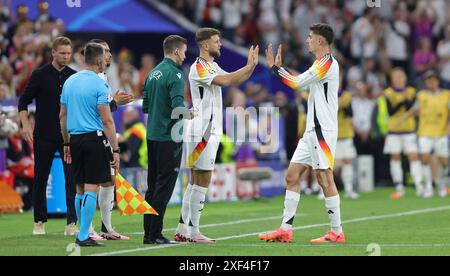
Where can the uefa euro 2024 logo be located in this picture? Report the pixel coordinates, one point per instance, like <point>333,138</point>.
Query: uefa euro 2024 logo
<point>73,3</point>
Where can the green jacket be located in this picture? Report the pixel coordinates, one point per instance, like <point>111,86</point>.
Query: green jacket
<point>163,92</point>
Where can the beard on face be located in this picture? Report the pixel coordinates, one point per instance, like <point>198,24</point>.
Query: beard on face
<point>215,54</point>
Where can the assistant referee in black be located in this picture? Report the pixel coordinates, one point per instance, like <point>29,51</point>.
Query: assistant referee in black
<point>163,92</point>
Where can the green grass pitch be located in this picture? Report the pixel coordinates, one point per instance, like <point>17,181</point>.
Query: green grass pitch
<point>374,224</point>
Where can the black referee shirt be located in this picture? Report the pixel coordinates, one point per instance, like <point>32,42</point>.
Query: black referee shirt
<point>45,86</point>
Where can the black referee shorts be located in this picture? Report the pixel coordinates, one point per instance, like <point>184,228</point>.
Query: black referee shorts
<point>91,156</point>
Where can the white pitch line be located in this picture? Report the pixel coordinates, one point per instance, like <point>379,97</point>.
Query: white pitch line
<point>346,245</point>
<point>408,213</point>
<point>224,223</point>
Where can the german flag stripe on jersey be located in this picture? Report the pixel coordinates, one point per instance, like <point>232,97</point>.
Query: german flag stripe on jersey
<point>324,146</point>
<point>288,79</point>
<point>322,66</point>
<point>193,157</point>
<point>203,67</point>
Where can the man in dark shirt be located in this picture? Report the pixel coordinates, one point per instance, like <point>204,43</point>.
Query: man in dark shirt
<point>45,86</point>
<point>163,92</point>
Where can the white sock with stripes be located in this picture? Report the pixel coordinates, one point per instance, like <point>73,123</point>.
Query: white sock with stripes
<point>291,201</point>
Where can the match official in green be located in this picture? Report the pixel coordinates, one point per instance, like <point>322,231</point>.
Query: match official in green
<point>163,92</point>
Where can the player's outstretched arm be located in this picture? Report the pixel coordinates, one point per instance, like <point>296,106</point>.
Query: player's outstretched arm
<point>241,75</point>
<point>315,73</point>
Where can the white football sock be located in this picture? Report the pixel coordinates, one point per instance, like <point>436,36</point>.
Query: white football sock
<point>397,174</point>
<point>443,177</point>
<point>106,204</point>
<point>196,204</point>
<point>427,177</point>
<point>332,204</point>
<point>347,178</point>
<point>184,216</point>
<point>291,201</point>
<point>416,173</point>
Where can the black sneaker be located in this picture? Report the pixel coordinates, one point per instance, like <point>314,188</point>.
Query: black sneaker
<point>159,240</point>
<point>88,243</point>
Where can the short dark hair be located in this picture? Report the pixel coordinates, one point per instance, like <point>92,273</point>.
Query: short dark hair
<point>173,42</point>
<point>92,51</point>
<point>204,34</point>
<point>61,41</point>
<point>94,40</point>
<point>97,40</point>
<point>324,30</point>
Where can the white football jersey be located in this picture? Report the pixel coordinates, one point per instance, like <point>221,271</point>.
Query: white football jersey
<point>206,99</point>
<point>322,79</point>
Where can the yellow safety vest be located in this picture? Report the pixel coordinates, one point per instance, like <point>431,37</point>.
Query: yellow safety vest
<point>139,130</point>
<point>394,99</point>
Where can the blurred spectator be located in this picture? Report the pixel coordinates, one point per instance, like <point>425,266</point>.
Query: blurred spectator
<point>135,139</point>
<point>397,36</point>
<point>210,13</point>
<point>423,19</point>
<point>304,15</point>
<point>5,11</point>
<point>356,7</point>
<point>285,14</point>
<point>232,17</point>
<point>364,44</point>
<point>188,8</point>
<point>128,74</point>
<point>424,58</point>
<point>43,16</point>
<point>443,51</point>
<point>20,157</point>
<point>22,17</point>
<point>248,33</point>
<point>3,93</point>
<point>268,23</point>
<point>147,64</point>
<point>366,74</point>
<point>281,101</point>
<point>9,79</point>
<point>362,107</point>
<point>440,7</point>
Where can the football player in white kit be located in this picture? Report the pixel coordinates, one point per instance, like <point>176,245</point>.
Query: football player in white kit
<point>317,147</point>
<point>206,80</point>
<point>106,193</point>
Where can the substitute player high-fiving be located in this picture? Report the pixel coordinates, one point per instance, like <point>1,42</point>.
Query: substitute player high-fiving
<point>317,147</point>
<point>206,80</point>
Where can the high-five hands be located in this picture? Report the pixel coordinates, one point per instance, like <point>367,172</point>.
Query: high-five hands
<point>271,61</point>
<point>253,56</point>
